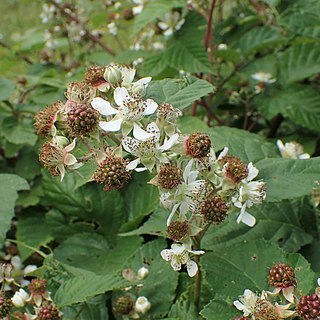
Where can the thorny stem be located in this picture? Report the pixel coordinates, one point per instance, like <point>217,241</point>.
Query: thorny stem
<point>87,32</point>
<point>208,37</point>
<point>197,244</point>
<point>211,114</point>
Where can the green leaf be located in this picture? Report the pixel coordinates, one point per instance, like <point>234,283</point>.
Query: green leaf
<point>181,93</point>
<point>27,165</point>
<point>288,179</point>
<point>29,235</point>
<point>155,10</point>
<point>160,285</point>
<point>219,310</point>
<point>248,146</point>
<point>245,266</point>
<point>17,132</point>
<point>300,103</point>
<point>299,62</point>
<point>260,38</point>
<point>103,210</point>
<point>6,89</point>
<point>79,289</point>
<point>283,223</point>
<point>141,198</point>
<point>10,184</point>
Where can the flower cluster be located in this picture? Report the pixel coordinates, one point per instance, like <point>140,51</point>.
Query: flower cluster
<point>125,131</point>
<point>284,302</point>
<point>36,303</point>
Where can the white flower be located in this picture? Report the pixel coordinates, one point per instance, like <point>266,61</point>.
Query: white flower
<point>187,194</point>
<point>178,255</point>
<point>19,298</point>
<point>222,46</point>
<point>246,302</point>
<point>148,151</point>
<point>142,305</point>
<point>265,77</point>
<point>143,272</point>
<point>249,193</point>
<point>18,271</point>
<point>113,30</point>
<point>131,109</point>
<point>293,150</point>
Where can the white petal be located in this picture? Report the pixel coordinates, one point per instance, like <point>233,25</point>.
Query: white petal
<point>247,219</point>
<point>70,146</point>
<point>304,156</point>
<point>280,145</point>
<point>133,164</point>
<point>145,80</point>
<point>177,248</point>
<point>130,144</point>
<point>103,106</point>
<point>139,133</point>
<point>174,209</point>
<point>192,268</point>
<point>288,293</point>
<point>121,95</point>
<point>166,254</point>
<point>197,252</point>
<point>153,129</point>
<point>175,264</point>
<point>128,74</point>
<point>169,143</point>
<point>187,170</point>
<point>141,169</point>
<point>113,125</point>
<point>223,153</point>
<point>151,107</point>
<point>238,305</point>
<point>253,172</point>
<point>70,159</point>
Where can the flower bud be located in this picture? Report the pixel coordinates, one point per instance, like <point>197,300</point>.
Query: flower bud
<point>143,272</point>
<point>20,298</point>
<point>142,305</point>
<point>112,74</point>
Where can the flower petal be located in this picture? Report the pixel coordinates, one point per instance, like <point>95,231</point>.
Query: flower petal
<point>166,254</point>
<point>130,144</point>
<point>139,133</point>
<point>133,164</point>
<point>192,268</point>
<point>151,107</point>
<point>121,95</point>
<point>169,143</point>
<point>103,106</point>
<point>238,305</point>
<point>253,172</point>
<point>70,159</point>
<point>288,293</point>
<point>70,146</point>
<point>247,219</point>
<point>175,264</point>
<point>177,248</point>
<point>113,125</point>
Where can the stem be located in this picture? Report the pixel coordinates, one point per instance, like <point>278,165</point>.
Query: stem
<point>88,34</point>
<point>274,125</point>
<point>197,286</point>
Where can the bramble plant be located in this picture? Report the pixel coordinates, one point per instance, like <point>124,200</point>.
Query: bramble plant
<point>159,160</point>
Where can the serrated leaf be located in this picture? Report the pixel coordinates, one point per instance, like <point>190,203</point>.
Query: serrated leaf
<point>28,234</point>
<point>141,198</point>
<point>299,62</point>
<point>278,222</point>
<point>10,184</point>
<point>248,146</point>
<point>300,103</point>
<point>6,88</point>
<point>219,310</point>
<point>79,289</point>
<point>245,266</point>
<point>287,178</point>
<point>181,93</point>
<point>260,38</point>
<point>155,10</point>
<point>17,132</point>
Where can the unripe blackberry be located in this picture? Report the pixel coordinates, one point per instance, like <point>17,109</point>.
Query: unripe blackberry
<point>112,172</point>
<point>214,209</point>
<point>198,145</point>
<point>265,310</point>
<point>234,169</point>
<point>308,307</point>
<point>282,276</point>
<point>178,230</point>
<point>38,287</point>
<point>123,305</point>
<point>82,119</point>
<point>45,119</point>
<point>5,306</point>
<point>80,92</point>
<point>128,14</point>
<point>94,75</point>
<point>169,177</point>
<point>49,312</point>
